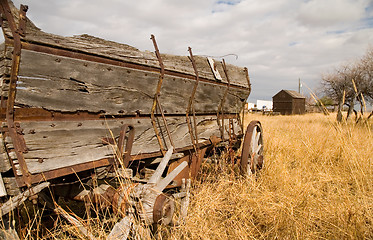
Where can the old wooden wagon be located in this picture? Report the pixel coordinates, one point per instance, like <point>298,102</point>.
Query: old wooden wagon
<point>79,108</point>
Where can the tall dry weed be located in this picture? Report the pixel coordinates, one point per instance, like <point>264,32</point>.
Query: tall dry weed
<point>317,183</point>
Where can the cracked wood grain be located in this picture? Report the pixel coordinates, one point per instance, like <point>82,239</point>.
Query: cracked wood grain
<point>52,145</point>
<point>66,84</point>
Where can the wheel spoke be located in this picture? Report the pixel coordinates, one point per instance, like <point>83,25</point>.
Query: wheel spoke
<point>253,142</point>
<point>257,137</point>
<point>257,150</point>
<point>249,172</point>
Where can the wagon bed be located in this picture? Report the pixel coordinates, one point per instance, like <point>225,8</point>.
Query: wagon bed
<point>65,100</point>
<point>112,126</point>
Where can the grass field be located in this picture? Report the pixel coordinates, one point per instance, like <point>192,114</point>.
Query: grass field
<point>317,183</point>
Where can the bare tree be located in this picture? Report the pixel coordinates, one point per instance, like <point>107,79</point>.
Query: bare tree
<point>339,86</point>
<point>350,84</point>
<point>367,70</point>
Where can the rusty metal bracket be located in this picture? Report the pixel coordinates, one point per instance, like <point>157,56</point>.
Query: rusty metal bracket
<point>193,136</point>
<point>21,140</point>
<point>230,129</point>
<point>165,122</point>
<point>156,100</point>
<point>18,141</point>
<point>22,20</point>
<point>220,112</point>
<point>242,122</point>
<point>247,78</point>
<point>154,106</point>
<point>231,133</point>
<point>125,152</point>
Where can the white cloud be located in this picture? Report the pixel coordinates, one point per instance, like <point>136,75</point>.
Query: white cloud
<point>278,40</point>
<point>331,12</point>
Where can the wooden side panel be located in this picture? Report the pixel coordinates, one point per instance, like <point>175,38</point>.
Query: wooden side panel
<point>182,64</point>
<point>68,85</point>
<point>237,75</point>
<point>175,94</point>
<point>234,101</point>
<point>57,144</point>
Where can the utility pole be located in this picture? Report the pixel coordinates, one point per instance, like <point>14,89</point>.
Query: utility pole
<point>299,86</point>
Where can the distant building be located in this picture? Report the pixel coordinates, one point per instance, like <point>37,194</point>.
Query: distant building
<point>260,105</point>
<point>250,106</point>
<point>264,105</point>
<point>289,102</point>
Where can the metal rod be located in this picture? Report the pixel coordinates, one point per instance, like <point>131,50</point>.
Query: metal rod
<point>193,136</point>
<point>195,125</point>
<point>221,106</point>
<point>156,98</point>
<point>190,132</point>
<point>243,108</point>
<point>242,120</point>
<point>191,99</point>
<point>165,123</point>
<point>160,81</point>
<point>16,58</point>
<point>125,153</point>
<point>247,78</point>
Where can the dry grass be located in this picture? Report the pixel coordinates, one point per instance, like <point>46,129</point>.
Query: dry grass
<point>317,184</point>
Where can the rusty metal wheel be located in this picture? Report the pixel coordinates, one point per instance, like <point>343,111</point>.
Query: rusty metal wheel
<point>164,209</point>
<point>252,149</point>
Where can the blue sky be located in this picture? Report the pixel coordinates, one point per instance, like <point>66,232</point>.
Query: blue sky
<point>279,41</point>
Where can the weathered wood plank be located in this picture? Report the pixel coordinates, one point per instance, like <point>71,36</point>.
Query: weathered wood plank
<point>9,234</point>
<point>182,64</point>
<point>11,186</point>
<point>19,199</point>
<point>66,84</point>
<point>234,101</point>
<point>4,161</point>
<point>6,56</point>
<point>2,187</point>
<point>4,70</point>
<point>175,94</point>
<point>122,229</point>
<point>53,145</point>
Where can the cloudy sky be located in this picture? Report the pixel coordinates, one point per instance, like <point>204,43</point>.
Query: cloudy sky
<point>279,41</point>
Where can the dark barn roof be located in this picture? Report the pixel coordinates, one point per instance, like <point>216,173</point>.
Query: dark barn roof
<point>293,94</point>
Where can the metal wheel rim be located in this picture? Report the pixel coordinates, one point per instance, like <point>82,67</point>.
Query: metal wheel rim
<point>252,149</point>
